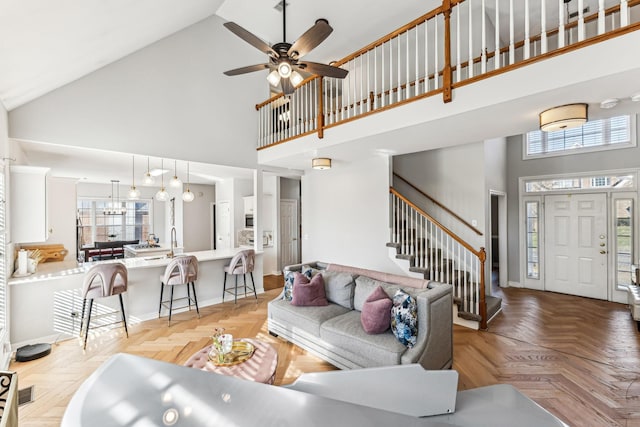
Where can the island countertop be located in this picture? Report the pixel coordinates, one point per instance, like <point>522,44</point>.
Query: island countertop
<point>53,270</point>
<point>46,306</point>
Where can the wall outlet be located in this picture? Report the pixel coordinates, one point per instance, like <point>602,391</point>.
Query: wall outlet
<point>474,222</point>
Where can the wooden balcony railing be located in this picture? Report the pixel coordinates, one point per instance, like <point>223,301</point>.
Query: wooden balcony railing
<point>458,43</point>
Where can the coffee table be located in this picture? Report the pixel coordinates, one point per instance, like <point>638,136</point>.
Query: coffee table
<point>261,367</point>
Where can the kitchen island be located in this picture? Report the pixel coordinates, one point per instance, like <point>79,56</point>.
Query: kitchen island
<point>46,306</point>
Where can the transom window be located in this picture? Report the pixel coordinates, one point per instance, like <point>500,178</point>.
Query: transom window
<point>613,181</point>
<point>605,134</point>
<point>94,225</point>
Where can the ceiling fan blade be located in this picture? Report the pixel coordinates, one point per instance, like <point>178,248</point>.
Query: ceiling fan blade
<point>248,69</point>
<point>287,87</point>
<point>324,70</point>
<point>250,38</point>
<point>312,38</point>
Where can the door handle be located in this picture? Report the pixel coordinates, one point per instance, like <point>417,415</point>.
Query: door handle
<point>603,252</point>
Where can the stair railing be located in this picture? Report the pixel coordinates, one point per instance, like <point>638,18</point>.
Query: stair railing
<point>458,43</point>
<point>440,205</point>
<point>441,255</point>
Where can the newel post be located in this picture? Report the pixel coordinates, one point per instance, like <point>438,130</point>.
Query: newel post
<point>481,298</point>
<point>446,71</point>
<point>320,120</point>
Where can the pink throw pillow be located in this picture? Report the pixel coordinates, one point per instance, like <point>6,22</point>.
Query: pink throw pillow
<point>376,312</point>
<point>308,293</point>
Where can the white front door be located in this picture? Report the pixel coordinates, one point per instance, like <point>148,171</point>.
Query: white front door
<point>289,232</point>
<point>223,225</point>
<point>576,244</point>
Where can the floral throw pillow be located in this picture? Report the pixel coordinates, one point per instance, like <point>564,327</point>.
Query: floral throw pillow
<point>404,318</point>
<point>288,281</point>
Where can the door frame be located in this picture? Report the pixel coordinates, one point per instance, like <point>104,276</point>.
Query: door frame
<point>503,260</point>
<point>613,294</point>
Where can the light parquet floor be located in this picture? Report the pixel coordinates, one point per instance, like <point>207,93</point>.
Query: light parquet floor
<point>576,357</point>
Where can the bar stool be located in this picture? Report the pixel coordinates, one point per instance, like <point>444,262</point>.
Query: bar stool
<point>182,270</point>
<point>113,278</point>
<point>242,263</point>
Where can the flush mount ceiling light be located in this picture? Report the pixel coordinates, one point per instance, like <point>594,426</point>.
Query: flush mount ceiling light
<point>321,163</point>
<point>609,103</point>
<point>134,193</point>
<point>162,195</point>
<point>563,117</point>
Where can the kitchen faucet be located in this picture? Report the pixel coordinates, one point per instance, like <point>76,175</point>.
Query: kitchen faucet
<point>174,241</point>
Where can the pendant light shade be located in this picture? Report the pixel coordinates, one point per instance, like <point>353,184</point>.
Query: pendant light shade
<point>188,195</point>
<point>134,193</point>
<point>162,195</point>
<point>175,181</point>
<point>148,179</point>
<point>563,117</point>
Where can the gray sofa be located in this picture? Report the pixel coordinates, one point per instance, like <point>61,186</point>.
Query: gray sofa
<point>335,334</point>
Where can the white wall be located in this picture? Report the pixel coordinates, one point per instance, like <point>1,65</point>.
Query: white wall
<point>453,176</point>
<point>197,218</point>
<point>169,99</point>
<point>345,215</point>
<point>269,223</point>
<point>241,188</point>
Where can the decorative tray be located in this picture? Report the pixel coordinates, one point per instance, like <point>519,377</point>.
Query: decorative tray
<point>241,351</point>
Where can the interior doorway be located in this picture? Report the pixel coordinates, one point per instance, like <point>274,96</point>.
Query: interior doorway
<point>223,225</point>
<point>497,254</point>
<point>289,241</point>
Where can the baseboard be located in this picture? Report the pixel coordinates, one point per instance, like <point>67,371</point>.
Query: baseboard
<point>514,284</point>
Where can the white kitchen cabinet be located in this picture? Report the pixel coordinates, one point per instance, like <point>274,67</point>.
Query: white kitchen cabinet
<point>29,213</point>
<point>249,205</point>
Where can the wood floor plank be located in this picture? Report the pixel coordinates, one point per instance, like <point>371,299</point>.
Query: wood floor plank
<point>578,358</point>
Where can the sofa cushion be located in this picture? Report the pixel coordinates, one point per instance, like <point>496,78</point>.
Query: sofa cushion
<point>365,287</point>
<point>308,319</point>
<point>339,288</point>
<point>308,293</point>
<point>346,332</point>
<point>404,318</point>
<point>288,282</point>
<point>376,312</point>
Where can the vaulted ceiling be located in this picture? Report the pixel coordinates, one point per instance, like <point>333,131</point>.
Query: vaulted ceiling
<point>49,43</point>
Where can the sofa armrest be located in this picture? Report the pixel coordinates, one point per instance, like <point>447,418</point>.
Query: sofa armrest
<point>298,267</point>
<point>434,346</point>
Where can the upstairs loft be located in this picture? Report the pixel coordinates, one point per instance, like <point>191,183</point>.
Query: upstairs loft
<point>413,90</point>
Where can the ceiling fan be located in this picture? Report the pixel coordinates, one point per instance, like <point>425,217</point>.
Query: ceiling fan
<point>284,58</point>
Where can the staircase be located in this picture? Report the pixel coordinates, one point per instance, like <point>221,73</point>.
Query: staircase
<point>427,249</point>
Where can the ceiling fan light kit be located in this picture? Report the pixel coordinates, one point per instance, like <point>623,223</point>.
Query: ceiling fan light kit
<point>284,58</point>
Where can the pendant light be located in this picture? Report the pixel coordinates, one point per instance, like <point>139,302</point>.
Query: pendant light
<point>134,193</point>
<point>115,207</point>
<point>175,181</point>
<point>188,195</point>
<point>148,179</point>
<point>162,195</point>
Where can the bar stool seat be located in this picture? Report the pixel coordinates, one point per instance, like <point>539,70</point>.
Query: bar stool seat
<point>113,279</point>
<point>182,270</point>
<point>242,263</point>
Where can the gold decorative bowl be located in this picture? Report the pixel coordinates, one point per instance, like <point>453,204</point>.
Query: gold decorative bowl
<point>240,352</point>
